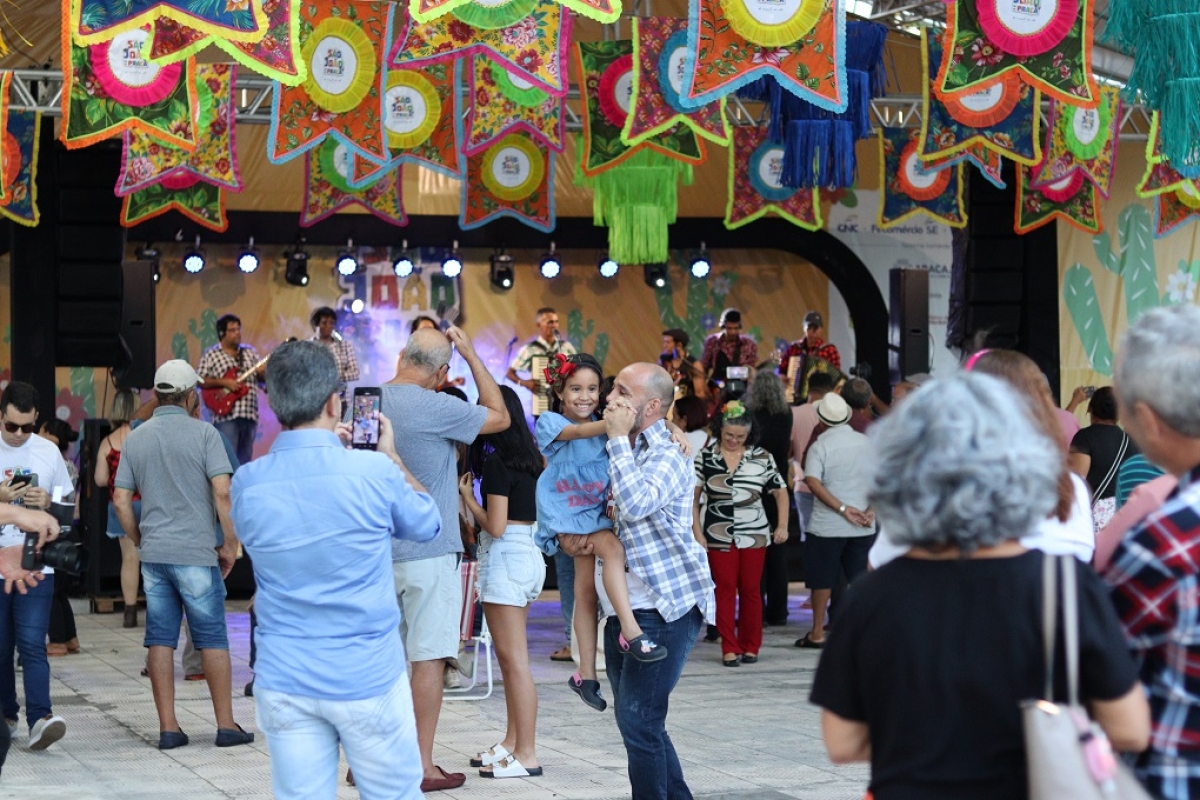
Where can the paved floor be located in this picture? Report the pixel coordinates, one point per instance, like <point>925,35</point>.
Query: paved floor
<point>741,733</point>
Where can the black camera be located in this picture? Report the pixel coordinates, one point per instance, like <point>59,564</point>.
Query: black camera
<point>59,554</point>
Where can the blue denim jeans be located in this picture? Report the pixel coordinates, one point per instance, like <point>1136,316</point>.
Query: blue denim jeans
<point>640,696</point>
<point>564,569</point>
<point>240,433</point>
<point>24,622</point>
<point>172,590</point>
<point>379,735</point>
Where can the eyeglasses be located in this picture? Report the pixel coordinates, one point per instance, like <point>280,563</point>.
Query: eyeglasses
<point>13,427</point>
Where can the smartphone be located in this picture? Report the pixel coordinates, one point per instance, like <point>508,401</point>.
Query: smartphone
<point>737,373</point>
<point>20,480</point>
<point>364,422</point>
<point>1088,391</point>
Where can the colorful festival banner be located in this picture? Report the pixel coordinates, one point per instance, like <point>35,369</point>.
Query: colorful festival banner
<point>1175,209</point>
<point>7,170</point>
<point>274,55</point>
<point>342,43</point>
<point>501,13</point>
<point>199,201</point>
<point>533,48</point>
<point>22,131</point>
<point>327,188</point>
<point>1071,199</point>
<point>1083,140</point>
<point>605,72</point>
<point>512,178</point>
<point>810,65</point>
<point>146,161</point>
<point>907,188</point>
<point>97,21</point>
<point>659,60</point>
<point>499,103</point>
<point>756,188</point>
<point>1048,44</point>
<point>110,87</point>
<point>987,161</point>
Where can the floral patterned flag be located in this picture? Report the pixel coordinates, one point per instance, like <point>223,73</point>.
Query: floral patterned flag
<point>110,87</point>
<point>146,161</point>
<point>533,48</point>
<point>1071,199</point>
<point>327,187</point>
<point>21,140</point>
<point>499,103</point>
<point>499,13</point>
<point>1084,140</point>
<point>274,55</point>
<point>987,161</point>
<point>1048,44</point>
<point>97,21</point>
<point>1160,176</point>
<point>659,57</point>
<point>6,169</point>
<point>606,78</point>
<point>756,188</point>
<point>342,44</point>
<point>512,178</point>
<point>730,45</point>
<point>1172,211</point>
<point>200,201</point>
<point>907,188</point>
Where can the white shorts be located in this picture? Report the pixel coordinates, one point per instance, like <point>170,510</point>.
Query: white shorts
<point>511,568</point>
<point>429,591</point>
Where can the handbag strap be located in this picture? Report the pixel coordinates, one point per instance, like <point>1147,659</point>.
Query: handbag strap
<point>1049,621</point>
<point>1116,465</point>
<point>1070,623</point>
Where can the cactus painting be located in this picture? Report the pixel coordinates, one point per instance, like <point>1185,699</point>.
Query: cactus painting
<point>578,331</point>
<point>705,301</point>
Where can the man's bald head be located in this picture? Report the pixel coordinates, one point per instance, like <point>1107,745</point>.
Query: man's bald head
<point>427,350</point>
<point>648,388</point>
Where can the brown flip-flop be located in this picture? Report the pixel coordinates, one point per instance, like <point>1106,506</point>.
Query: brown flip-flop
<point>563,654</point>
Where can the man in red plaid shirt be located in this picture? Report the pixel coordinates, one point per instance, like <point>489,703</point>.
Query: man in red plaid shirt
<point>1155,571</point>
<point>813,344</point>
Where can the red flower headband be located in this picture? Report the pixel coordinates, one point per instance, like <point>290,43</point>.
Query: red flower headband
<point>559,369</point>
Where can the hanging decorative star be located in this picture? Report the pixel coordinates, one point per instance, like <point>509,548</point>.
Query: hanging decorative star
<point>499,103</point>
<point>501,13</point>
<point>20,138</point>
<point>755,185</point>
<point>1072,199</point>
<point>1173,210</point>
<point>512,178</point>
<point>327,188</point>
<point>97,21</point>
<point>1083,140</point>
<point>200,201</point>
<point>907,188</point>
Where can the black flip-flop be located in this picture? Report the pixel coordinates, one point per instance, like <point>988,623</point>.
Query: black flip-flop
<point>806,642</point>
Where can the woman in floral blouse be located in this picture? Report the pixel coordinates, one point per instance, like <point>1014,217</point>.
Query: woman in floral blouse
<point>733,474</point>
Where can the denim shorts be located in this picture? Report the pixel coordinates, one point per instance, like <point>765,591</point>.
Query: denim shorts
<point>171,591</point>
<point>511,569</point>
<point>114,529</point>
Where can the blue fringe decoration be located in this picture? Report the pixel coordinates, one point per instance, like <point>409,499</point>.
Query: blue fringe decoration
<point>820,153</point>
<point>864,51</point>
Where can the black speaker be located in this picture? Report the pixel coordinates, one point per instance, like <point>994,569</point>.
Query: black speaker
<point>908,324</point>
<point>137,326</point>
<point>103,575</point>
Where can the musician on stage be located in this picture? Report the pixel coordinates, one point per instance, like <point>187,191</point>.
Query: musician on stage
<point>219,367</point>
<point>324,320</point>
<point>548,344</point>
<point>813,344</point>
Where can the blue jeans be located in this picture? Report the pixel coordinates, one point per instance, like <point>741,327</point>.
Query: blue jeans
<point>564,569</point>
<point>379,735</point>
<point>240,433</point>
<point>24,622</point>
<point>640,695</point>
<point>170,591</point>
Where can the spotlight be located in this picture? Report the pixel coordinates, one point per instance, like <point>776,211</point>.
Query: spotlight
<point>655,275</point>
<point>608,266</point>
<point>501,273</point>
<point>357,305</point>
<point>248,260</point>
<point>193,259</point>
<point>550,265</point>
<point>700,264</point>
<point>296,272</point>
<point>347,264</point>
<point>403,263</point>
<point>452,264</point>
<point>150,253</point>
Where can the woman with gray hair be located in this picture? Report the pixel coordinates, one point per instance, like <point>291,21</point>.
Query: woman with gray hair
<point>928,667</point>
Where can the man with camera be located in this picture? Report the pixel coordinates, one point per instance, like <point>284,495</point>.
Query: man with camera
<point>33,469</point>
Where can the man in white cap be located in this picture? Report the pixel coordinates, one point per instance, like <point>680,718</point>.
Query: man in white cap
<point>842,527</point>
<point>179,466</point>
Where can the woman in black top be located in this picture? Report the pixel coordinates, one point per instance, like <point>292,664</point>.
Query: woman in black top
<point>511,572</point>
<point>935,650</point>
<point>1098,451</point>
<point>773,421</point>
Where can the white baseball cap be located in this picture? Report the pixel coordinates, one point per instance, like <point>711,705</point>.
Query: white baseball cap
<point>175,375</point>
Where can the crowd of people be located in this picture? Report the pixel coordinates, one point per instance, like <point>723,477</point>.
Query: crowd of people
<point>666,495</point>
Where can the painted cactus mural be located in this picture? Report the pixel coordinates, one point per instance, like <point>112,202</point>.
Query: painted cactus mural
<point>705,301</point>
<point>578,331</point>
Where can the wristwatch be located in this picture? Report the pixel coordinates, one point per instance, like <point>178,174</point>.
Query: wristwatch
<point>842,510</point>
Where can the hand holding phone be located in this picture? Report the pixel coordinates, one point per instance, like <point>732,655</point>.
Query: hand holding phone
<point>364,421</point>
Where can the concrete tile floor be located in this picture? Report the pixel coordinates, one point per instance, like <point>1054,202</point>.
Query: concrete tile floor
<point>741,733</point>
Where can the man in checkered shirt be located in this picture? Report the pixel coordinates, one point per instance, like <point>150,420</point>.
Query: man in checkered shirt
<point>670,588</point>
<point>1155,572</point>
<point>241,424</point>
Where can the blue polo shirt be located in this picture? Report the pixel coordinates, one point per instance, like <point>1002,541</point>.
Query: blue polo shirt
<point>318,521</point>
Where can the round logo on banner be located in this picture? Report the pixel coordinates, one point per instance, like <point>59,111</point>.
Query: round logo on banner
<point>341,65</point>
<point>987,106</point>
<point>126,61</point>
<point>616,91</point>
<point>513,168</point>
<point>916,181</point>
<point>517,89</point>
<point>337,164</point>
<point>766,173</point>
<point>1063,189</point>
<point>773,23</point>
<point>1188,194</point>
<point>126,76</point>
<point>411,109</point>
<point>672,64</point>
<point>1088,132</point>
<point>1025,28</point>
<point>494,14</point>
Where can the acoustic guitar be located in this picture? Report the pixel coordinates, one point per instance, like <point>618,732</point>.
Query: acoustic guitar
<point>220,400</point>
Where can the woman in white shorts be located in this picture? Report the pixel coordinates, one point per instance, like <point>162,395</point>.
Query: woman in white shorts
<point>511,573</point>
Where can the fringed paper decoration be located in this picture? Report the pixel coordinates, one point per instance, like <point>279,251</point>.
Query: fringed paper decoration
<point>512,178</point>
<point>756,188</point>
<point>1004,116</point>
<point>811,65</point>
<point>499,103</point>
<point>274,55</point>
<point>606,86</point>
<point>342,44</point>
<point>327,188</point>
<point>110,87</point>
<point>1048,43</point>
<point>96,21</point>
<point>534,48</point>
<point>908,189</point>
<point>659,59</point>
<point>1082,140</point>
<point>146,161</point>
<point>637,200</point>
<point>22,139</point>
<point>501,13</point>
<point>199,201</point>
<point>1072,199</point>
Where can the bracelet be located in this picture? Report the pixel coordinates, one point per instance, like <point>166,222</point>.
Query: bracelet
<point>842,510</point>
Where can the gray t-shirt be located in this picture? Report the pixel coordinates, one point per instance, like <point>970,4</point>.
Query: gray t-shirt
<point>839,460</point>
<point>427,425</point>
<point>171,460</point>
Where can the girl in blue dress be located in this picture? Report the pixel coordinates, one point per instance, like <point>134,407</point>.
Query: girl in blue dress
<point>572,498</point>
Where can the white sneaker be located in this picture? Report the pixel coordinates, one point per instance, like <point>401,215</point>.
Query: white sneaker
<point>47,731</point>
<point>450,679</point>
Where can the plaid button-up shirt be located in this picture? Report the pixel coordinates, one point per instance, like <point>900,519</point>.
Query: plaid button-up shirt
<point>801,347</point>
<point>343,354</point>
<point>216,362</point>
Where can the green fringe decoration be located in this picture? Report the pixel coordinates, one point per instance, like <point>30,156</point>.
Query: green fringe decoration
<point>494,17</point>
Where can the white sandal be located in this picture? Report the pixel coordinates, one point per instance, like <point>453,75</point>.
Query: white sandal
<point>510,767</point>
<point>490,756</point>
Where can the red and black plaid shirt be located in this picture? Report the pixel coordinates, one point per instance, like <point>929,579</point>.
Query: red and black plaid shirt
<point>801,347</point>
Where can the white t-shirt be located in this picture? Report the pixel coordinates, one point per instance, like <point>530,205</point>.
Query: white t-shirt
<point>40,457</point>
<point>1075,537</point>
<point>639,593</point>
